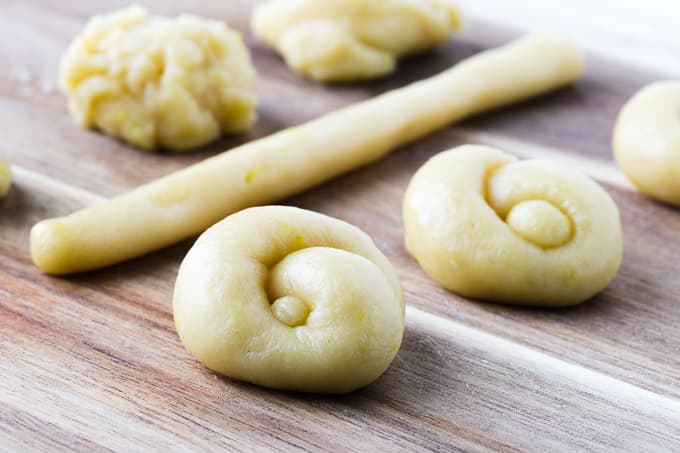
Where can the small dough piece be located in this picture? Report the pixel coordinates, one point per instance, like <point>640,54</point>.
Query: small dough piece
<point>647,141</point>
<point>272,168</point>
<point>289,299</point>
<point>159,82</point>
<point>487,226</point>
<point>344,40</point>
<point>5,178</point>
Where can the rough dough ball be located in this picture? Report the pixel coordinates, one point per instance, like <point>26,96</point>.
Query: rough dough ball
<point>647,141</point>
<point>343,40</point>
<point>487,226</point>
<point>5,178</point>
<point>289,299</point>
<point>158,82</point>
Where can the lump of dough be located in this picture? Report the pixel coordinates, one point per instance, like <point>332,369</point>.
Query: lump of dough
<point>344,40</point>
<point>5,178</point>
<point>487,226</point>
<point>647,141</point>
<point>289,299</point>
<point>158,82</point>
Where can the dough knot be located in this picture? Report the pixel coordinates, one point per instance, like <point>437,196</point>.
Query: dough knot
<point>289,299</point>
<point>487,226</point>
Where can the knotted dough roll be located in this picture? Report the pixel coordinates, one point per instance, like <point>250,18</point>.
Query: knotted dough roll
<point>647,141</point>
<point>342,40</point>
<point>487,226</point>
<point>289,299</point>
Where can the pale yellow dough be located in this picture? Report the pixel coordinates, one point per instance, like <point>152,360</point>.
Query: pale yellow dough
<point>158,82</point>
<point>647,141</point>
<point>185,203</point>
<point>487,226</point>
<point>289,299</point>
<point>343,40</point>
<point>5,178</point>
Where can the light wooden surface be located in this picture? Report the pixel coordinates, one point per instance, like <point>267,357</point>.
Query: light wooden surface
<point>639,33</point>
<point>92,362</point>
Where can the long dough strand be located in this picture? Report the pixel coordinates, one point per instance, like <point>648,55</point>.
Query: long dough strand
<point>187,202</point>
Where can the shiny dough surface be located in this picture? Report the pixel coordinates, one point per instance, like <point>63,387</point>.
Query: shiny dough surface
<point>289,299</point>
<point>343,40</point>
<point>647,141</point>
<point>158,82</point>
<point>487,226</point>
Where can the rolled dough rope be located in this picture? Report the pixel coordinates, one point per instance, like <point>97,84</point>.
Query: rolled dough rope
<point>185,203</point>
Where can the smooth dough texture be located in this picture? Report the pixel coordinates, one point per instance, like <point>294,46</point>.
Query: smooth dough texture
<point>647,141</point>
<point>263,171</point>
<point>5,178</point>
<point>289,299</point>
<point>487,226</point>
<point>343,40</point>
<point>158,82</point>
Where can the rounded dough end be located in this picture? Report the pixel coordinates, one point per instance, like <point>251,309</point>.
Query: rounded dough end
<point>49,248</point>
<point>345,40</point>
<point>289,299</point>
<point>157,82</point>
<point>646,141</point>
<point>486,226</point>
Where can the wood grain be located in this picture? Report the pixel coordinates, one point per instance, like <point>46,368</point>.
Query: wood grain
<point>92,362</point>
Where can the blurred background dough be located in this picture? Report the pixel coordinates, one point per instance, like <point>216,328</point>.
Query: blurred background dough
<point>345,40</point>
<point>158,82</point>
<point>5,178</point>
<point>647,141</point>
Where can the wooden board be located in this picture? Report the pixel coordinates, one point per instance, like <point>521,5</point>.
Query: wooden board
<point>92,362</point>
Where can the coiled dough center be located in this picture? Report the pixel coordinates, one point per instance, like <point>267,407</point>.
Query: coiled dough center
<point>540,223</point>
<point>290,310</point>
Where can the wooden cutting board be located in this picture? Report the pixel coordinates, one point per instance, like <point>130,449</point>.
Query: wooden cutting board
<point>92,362</point>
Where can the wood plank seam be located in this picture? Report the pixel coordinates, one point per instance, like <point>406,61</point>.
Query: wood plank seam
<point>650,402</point>
<point>36,179</point>
<point>601,171</point>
